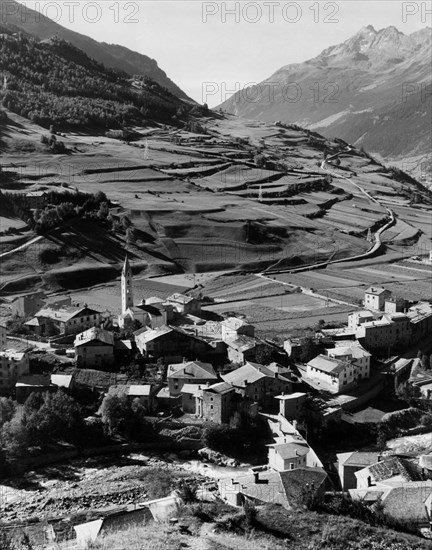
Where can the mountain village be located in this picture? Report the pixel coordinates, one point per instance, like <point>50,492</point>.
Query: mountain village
<point>208,371</point>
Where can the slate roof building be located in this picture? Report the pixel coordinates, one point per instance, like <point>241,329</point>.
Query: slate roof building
<point>349,463</point>
<point>94,348</point>
<point>333,375</point>
<point>375,297</point>
<point>190,372</point>
<point>258,383</point>
<point>64,319</point>
<point>286,488</point>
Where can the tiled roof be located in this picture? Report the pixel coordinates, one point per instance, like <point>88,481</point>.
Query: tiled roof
<point>250,373</point>
<point>65,313</point>
<point>296,481</point>
<point>407,502</point>
<point>328,364</point>
<point>148,335</point>
<point>220,387</point>
<point>290,450</point>
<point>61,380</point>
<point>94,334</point>
<point>358,458</point>
<point>375,290</point>
<point>180,298</point>
<point>390,467</point>
<point>193,389</point>
<point>191,370</point>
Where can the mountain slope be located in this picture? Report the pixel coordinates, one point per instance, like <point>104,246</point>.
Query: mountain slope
<point>111,55</point>
<point>53,82</point>
<point>371,90</point>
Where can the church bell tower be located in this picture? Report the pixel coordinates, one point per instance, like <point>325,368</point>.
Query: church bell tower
<point>126,286</point>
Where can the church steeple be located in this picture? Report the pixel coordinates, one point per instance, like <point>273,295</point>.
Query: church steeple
<point>126,286</point>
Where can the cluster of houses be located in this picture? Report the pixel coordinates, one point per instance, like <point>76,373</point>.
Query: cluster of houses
<point>191,348</point>
<point>173,329</point>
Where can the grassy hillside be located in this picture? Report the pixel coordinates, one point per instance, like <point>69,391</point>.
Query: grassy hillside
<point>273,528</point>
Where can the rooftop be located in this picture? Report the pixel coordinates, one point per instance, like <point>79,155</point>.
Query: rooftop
<point>290,450</point>
<point>328,364</point>
<point>65,313</point>
<point>248,374</point>
<point>376,290</point>
<point>94,334</point>
<point>358,458</point>
<point>191,370</point>
<point>220,388</point>
<point>180,298</point>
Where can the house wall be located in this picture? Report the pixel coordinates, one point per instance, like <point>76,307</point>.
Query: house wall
<point>94,354</point>
<point>217,407</point>
<point>188,403</point>
<point>27,305</point>
<point>11,370</point>
<point>347,476</point>
<point>376,301</point>
<point>79,324</point>
<point>264,390</point>
<point>276,462</point>
<point>172,344</point>
<point>3,337</point>
<point>291,408</point>
<point>175,385</point>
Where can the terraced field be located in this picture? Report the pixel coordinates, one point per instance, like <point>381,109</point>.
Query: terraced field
<point>200,203</point>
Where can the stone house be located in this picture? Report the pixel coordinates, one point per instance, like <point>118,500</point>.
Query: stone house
<point>64,319</point>
<point>169,342</point>
<point>191,372</point>
<point>375,297</point>
<point>94,348</point>
<point>389,468</point>
<point>287,456</point>
<point>232,327</point>
<point>185,304</point>
<point>13,365</point>
<point>291,404</point>
<point>217,403</point>
<point>258,384</point>
<point>266,486</point>
<point>331,374</point>
<point>352,462</point>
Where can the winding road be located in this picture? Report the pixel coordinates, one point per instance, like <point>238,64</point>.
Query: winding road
<point>377,235</point>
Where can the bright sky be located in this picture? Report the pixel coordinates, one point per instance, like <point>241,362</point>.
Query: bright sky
<point>211,48</point>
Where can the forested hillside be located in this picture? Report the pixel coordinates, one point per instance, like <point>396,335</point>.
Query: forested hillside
<point>52,82</point>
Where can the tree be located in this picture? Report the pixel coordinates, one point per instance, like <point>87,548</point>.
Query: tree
<point>264,355</point>
<point>309,349</point>
<point>424,362</point>
<point>7,410</point>
<point>115,413</point>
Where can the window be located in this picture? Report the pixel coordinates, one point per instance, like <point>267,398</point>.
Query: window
<point>211,407</point>
<point>291,466</point>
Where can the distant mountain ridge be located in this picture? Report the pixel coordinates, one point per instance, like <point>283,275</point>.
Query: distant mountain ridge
<point>111,55</point>
<point>373,90</point>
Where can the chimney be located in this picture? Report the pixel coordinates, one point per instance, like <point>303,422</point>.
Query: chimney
<point>245,382</point>
<point>256,477</point>
<point>276,375</point>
